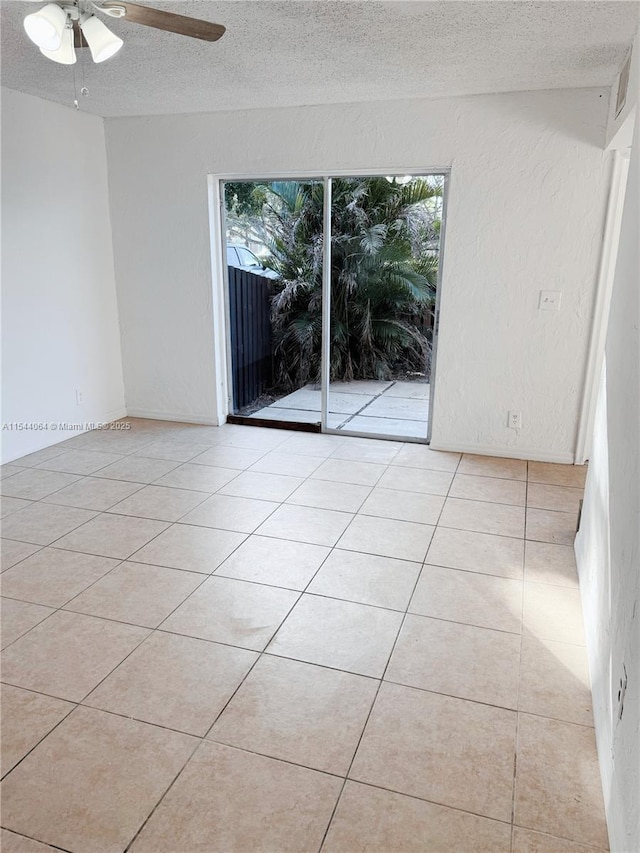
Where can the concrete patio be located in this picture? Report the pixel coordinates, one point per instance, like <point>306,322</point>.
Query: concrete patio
<point>394,407</point>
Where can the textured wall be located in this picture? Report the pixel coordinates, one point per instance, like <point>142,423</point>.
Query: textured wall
<point>594,566</point>
<point>528,183</point>
<point>623,429</point>
<point>59,315</point>
<point>608,548</point>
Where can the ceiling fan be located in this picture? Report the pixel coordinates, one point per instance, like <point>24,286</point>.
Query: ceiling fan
<point>59,28</point>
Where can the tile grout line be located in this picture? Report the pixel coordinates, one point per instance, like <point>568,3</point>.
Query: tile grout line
<point>156,482</point>
<point>587,847</point>
<point>31,838</point>
<point>82,703</point>
<point>373,704</point>
<point>164,794</point>
<point>516,741</point>
<point>39,741</point>
<point>379,688</point>
<point>47,498</point>
<point>125,559</point>
<point>130,559</point>
<point>170,524</point>
<point>264,651</point>
<point>22,559</point>
<point>206,737</point>
<point>56,609</point>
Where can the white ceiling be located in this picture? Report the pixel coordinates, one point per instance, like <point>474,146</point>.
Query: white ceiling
<point>306,52</point>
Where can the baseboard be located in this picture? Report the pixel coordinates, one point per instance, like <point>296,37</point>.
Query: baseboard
<point>480,450</point>
<point>115,415</point>
<point>178,417</point>
<point>48,438</point>
<point>506,452</point>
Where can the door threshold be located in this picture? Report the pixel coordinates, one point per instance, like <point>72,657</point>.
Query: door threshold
<point>296,426</point>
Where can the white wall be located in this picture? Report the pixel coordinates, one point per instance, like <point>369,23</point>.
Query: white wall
<point>526,205</point>
<point>59,314</point>
<point>608,546</point>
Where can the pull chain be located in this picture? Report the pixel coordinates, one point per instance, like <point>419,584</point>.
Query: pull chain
<point>83,89</point>
<point>75,86</point>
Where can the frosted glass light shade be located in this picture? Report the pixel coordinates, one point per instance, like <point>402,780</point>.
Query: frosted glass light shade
<point>66,53</point>
<point>103,44</point>
<point>45,27</point>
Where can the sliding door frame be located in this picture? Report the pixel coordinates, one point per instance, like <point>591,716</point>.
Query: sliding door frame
<point>221,319</point>
<point>325,356</point>
<point>218,217</point>
<point>326,301</point>
<point>436,321</point>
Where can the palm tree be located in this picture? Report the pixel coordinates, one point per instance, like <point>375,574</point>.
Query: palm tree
<point>383,277</point>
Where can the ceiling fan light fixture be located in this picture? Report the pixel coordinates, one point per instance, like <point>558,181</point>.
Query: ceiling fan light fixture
<point>103,44</point>
<point>46,26</point>
<point>66,53</point>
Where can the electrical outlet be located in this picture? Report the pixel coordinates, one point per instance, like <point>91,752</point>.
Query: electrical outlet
<point>79,397</point>
<point>514,420</point>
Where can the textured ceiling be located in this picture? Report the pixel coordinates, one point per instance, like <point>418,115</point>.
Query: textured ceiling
<point>305,52</point>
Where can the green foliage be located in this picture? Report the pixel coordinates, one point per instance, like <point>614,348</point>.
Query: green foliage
<point>383,276</point>
<point>244,199</point>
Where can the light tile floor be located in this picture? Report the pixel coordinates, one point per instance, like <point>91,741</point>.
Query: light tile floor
<point>374,407</point>
<point>238,639</point>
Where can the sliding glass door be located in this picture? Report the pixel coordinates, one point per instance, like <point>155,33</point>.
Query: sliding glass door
<point>381,286</point>
<point>272,230</point>
<point>331,301</point>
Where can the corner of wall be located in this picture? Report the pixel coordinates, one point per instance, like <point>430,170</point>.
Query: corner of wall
<point>109,213</point>
<point>608,545</point>
<point>62,356</point>
<point>616,122</point>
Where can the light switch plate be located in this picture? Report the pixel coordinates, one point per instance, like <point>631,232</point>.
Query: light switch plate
<point>550,300</point>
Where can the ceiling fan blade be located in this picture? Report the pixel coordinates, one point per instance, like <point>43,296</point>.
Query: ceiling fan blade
<point>168,21</point>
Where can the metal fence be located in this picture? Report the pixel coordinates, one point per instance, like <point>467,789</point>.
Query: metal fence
<point>250,326</point>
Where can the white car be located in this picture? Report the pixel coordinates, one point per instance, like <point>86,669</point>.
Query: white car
<point>243,258</point>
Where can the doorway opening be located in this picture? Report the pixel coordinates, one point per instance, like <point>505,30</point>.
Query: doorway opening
<point>332,290</point>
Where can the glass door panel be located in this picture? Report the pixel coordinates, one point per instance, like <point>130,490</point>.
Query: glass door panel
<point>273,233</point>
<point>334,332</point>
<point>385,248</point>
